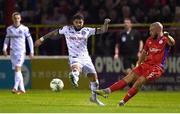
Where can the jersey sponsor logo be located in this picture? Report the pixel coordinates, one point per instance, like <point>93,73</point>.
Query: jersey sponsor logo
<point>154,50</point>
<point>83,33</point>
<point>76,38</point>
<point>20,32</point>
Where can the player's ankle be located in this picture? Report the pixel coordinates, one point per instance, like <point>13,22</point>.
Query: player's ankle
<point>107,90</point>
<point>121,103</point>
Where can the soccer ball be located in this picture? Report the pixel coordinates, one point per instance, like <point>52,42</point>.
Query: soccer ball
<point>56,84</point>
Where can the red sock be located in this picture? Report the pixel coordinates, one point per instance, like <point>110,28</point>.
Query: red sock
<point>118,85</point>
<point>131,92</point>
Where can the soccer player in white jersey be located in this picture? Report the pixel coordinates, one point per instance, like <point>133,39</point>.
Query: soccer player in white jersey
<point>76,37</point>
<point>17,35</point>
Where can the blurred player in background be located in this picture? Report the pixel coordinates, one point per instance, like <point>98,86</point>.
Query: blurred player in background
<point>150,65</point>
<point>17,35</point>
<point>76,38</point>
<point>129,46</point>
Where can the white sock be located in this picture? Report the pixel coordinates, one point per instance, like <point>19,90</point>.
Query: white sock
<point>93,86</point>
<point>21,84</point>
<point>76,75</point>
<point>16,80</point>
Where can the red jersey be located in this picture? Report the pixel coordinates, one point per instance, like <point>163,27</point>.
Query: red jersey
<point>157,51</point>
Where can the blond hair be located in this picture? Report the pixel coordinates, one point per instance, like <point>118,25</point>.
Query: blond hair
<point>157,24</point>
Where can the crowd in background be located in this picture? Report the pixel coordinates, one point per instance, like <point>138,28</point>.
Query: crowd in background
<point>95,11</point>
<point>61,11</point>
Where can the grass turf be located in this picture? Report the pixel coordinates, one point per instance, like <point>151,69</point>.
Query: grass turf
<point>78,101</point>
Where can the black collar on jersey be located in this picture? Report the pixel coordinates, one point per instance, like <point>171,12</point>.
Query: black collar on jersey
<point>77,29</point>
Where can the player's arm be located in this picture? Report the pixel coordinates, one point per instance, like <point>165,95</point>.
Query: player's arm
<point>142,57</point>
<point>43,38</point>
<point>170,40</point>
<point>104,27</point>
<point>6,42</point>
<point>116,51</point>
<point>31,46</point>
<point>140,45</point>
<point>140,48</point>
<point>30,42</point>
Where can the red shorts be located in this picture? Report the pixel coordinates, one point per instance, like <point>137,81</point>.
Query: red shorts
<point>151,72</point>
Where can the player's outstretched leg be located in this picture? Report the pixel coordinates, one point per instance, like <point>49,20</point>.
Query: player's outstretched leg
<point>103,92</point>
<point>74,78</point>
<point>116,86</point>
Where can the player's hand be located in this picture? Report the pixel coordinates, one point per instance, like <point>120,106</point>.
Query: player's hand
<point>31,55</point>
<point>137,64</point>
<point>38,43</point>
<point>107,20</point>
<point>5,53</point>
<point>165,33</point>
<point>116,56</point>
<point>139,54</point>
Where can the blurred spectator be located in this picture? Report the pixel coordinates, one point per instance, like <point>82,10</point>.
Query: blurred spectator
<point>126,12</point>
<point>2,9</point>
<point>102,14</point>
<point>113,16</point>
<point>175,30</point>
<point>143,11</point>
<point>166,15</point>
<point>93,10</point>
<point>153,15</point>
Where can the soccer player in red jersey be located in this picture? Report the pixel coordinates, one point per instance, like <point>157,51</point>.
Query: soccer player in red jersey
<point>150,65</point>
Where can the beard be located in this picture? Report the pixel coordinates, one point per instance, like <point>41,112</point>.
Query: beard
<point>78,29</point>
<point>155,36</point>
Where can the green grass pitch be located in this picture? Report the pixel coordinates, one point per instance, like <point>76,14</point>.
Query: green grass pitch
<point>76,101</point>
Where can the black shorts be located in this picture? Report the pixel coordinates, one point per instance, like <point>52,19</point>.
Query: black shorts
<point>129,61</point>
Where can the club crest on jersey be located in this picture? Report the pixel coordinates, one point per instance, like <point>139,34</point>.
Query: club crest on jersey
<point>20,32</point>
<point>83,33</point>
<point>150,43</point>
<point>160,41</point>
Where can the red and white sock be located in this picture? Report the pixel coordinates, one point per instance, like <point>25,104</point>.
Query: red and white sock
<point>131,92</point>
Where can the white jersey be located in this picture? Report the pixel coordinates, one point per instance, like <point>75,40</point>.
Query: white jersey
<point>17,37</point>
<point>77,40</point>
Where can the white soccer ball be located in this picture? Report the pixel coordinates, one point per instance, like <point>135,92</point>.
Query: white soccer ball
<point>56,84</point>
